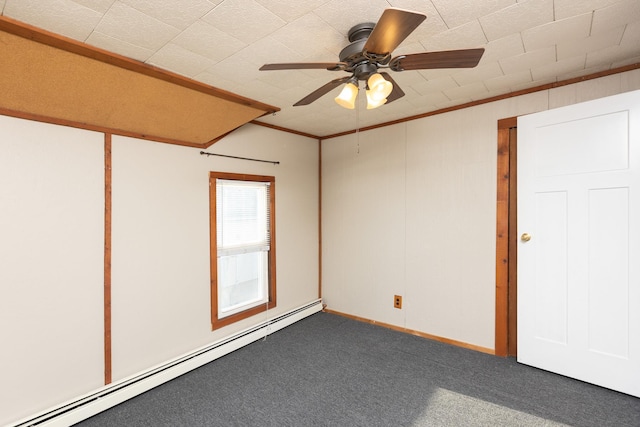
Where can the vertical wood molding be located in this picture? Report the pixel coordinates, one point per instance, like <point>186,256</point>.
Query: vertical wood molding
<point>213,267</point>
<point>107,258</point>
<point>320,218</point>
<point>502,237</point>
<point>512,289</point>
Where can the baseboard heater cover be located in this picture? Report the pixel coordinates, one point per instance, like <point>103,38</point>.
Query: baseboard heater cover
<point>108,396</point>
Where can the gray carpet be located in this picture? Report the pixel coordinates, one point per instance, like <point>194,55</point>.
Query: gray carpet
<point>327,370</point>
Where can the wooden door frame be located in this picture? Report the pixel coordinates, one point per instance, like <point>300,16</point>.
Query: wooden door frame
<point>506,255</point>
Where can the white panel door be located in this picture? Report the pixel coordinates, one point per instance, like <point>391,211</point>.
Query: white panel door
<point>579,271</point>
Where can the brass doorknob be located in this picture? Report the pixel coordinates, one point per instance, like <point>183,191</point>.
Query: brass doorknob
<point>525,237</point>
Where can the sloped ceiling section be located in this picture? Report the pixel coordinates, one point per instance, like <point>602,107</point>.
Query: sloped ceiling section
<point>51,78</point>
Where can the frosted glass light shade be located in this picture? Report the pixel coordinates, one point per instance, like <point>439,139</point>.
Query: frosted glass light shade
<point>379,87</point>
<point>374,103</point>
<point>347,97</point>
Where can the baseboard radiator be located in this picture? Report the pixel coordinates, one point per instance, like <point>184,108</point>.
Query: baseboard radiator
<point>115,393</point>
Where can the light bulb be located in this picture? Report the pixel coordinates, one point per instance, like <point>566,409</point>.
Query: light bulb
<point>372,102</point>
<point>347,97</point>
<point>379,87</point>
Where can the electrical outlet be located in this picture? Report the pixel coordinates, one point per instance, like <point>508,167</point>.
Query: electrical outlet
<point>397,301</point>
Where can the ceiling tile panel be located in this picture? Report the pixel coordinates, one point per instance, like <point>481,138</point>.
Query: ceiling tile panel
<point>408,48</point>
<point>309,34</point>
<point>466,36</point>
<point>177,14</point>
<point>567,8</point>
<point>180,60</point>
<point>63,17</point>
<point>503,48</point>
<point>616,15</point>
<point>519,17</point>
<point>435,73</point>
<point>535,83</point>
<point>609,54</point>
<point>246,20</point>
<point>452,103</point>
<point>267,50</point>
<point>343,15</point>
<point>100,6</point>
<point>507,82</point>
<point>474,90</point>
<point>428,101</point>
<point>292,78</point>
<point>627,61</point>
<point>216,80</point>
<point>321,55</point>
<point>589,70</point>
<point>459,12</point>
<point>437,85</point>
<point>528,60</point>
<point>549,70</point>
<point>256,89</point>
<point>208,41</point>
<point>590,44</point>
<point>235,70</point>
<point>118,46</point>
<point>484,71</point>
<point>631,35</point>
<point>550,34</point>
<point>125,23</point>
<point>290,11</point>
<point>407,78</point>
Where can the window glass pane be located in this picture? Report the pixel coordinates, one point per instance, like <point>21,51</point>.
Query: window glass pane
<point>242,281</point>
<point>242,243</point>
<point>242,215</point>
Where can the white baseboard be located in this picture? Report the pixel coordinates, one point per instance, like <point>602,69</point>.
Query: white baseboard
<point>106,397</point>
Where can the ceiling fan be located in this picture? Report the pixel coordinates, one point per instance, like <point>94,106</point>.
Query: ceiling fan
<point>370,50</point>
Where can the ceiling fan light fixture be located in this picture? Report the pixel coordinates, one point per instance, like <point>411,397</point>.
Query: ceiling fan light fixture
<point>371,47</point>
<point>347,97</point>
<point>374,103</point>
<point>379,88</point>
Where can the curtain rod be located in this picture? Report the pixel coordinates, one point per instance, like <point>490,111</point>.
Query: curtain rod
<point>204,153</point>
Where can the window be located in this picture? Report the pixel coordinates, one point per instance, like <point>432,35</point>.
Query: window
<point>242,223</point>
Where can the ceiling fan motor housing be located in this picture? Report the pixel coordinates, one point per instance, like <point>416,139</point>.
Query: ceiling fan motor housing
<point>359,62</point>
<point>360,31</point>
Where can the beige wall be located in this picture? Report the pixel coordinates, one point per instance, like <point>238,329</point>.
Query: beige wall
<point>51,252</point>
<point>51,265</point>
<point>161,239</point>
<point>410,209</point>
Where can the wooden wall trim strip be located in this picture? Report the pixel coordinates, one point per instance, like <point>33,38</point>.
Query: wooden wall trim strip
<point>107,259</point>
<point>319,218</point>
<point>502,237</point>
<point>295,132</point>
<point>414,332</point>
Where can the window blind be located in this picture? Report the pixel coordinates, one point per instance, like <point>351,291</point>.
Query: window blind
<point>242,217</point>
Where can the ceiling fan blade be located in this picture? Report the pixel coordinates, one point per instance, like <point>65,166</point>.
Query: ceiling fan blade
<point>396,92</point>
<point>464,58</point>
<point>393,27</point>
<point>331,66</point>
<point>323,90</point>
